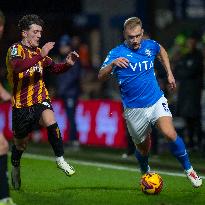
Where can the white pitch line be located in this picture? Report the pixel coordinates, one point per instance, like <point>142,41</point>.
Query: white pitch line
<point>103,165</point>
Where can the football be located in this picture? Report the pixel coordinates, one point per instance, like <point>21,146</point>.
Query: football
<point>151,183</point>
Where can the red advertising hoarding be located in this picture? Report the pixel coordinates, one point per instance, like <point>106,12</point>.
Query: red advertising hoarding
<point>99,123</point>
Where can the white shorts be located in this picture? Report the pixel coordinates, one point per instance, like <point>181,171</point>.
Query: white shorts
<point>139,120</point>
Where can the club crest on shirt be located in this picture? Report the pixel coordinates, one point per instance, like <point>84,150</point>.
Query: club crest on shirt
<point>148,52</point>
<point>14,51</point>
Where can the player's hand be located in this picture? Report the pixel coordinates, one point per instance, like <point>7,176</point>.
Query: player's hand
<point>120,62</point>
<point>171,81</point>
<point>71,58</point>
<point>46,48</point>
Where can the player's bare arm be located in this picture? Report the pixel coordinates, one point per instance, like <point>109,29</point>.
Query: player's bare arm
<point>164,59</point>
<point>107,70</point>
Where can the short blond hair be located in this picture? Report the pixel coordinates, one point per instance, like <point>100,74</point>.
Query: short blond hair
<point>132,22</point>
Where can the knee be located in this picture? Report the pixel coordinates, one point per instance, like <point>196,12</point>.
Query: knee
<point>21,144</point>
<point>21,147</point>
<point>4,146</point>
<point>144,147</point>
<point>170,134</point>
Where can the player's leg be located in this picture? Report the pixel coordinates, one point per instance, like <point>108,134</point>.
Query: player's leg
<point>176,144</point>
<point>48,121</point>
<point>139,128</point>
<point>19,146</point>
<point>177,147</point>
<point>162,118</point>
<point>21,126</point>
<point>142,154</point>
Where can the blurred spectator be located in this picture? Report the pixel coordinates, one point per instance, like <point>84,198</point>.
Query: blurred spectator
<point>83,51</point>
<point>91,87</point>
<point>178,49</point>
<point>68,86</point>
<point>189,72</point>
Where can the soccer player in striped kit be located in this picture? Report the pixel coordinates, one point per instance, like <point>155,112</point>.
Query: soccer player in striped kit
<point>31,105</point>
<point>144,103</point>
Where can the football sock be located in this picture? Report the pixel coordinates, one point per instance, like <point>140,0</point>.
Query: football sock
<point>55,139</point>
<point>4,187</point>
<point>143,161</point>
<point>16,156</point>
<point>60,159</point>
<point>178,149</point>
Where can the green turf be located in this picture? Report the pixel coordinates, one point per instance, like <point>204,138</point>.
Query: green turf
<point>43,183</point>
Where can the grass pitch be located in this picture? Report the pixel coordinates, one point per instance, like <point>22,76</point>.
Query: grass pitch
<point>43,183</point>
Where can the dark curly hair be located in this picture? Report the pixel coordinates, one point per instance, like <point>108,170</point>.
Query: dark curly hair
<point>26,21</point>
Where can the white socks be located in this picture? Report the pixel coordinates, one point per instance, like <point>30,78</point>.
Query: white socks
<point>60,159</point>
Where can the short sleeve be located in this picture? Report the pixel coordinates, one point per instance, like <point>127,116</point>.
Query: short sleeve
<point>112,55</point>
<point>156,46</point>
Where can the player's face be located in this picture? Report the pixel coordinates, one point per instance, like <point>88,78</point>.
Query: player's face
<point>33,35</point>
<point>133,36</point>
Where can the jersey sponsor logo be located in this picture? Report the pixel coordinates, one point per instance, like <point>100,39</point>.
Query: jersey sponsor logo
<point>35,68</point>
<point>144,65</point>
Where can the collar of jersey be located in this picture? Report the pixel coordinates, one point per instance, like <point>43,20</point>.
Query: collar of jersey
<point>126,45</point>
<point>29,48</point>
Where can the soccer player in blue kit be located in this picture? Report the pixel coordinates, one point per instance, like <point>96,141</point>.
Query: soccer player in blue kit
<point>132,62</point>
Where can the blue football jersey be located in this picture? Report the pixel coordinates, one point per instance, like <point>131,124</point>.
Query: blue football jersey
<point>138,85</point>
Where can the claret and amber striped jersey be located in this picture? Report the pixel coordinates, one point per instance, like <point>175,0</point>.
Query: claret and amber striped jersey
<point>28,87</point>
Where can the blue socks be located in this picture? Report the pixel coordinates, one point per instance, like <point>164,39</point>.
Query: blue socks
<point>143,162</point>
<point>178,149</point>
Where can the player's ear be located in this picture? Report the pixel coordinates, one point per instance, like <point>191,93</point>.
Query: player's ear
<point>142,31</point>
<point>24,34</point>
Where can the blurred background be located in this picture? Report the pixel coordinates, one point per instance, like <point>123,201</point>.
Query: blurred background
<point>89,112</point>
